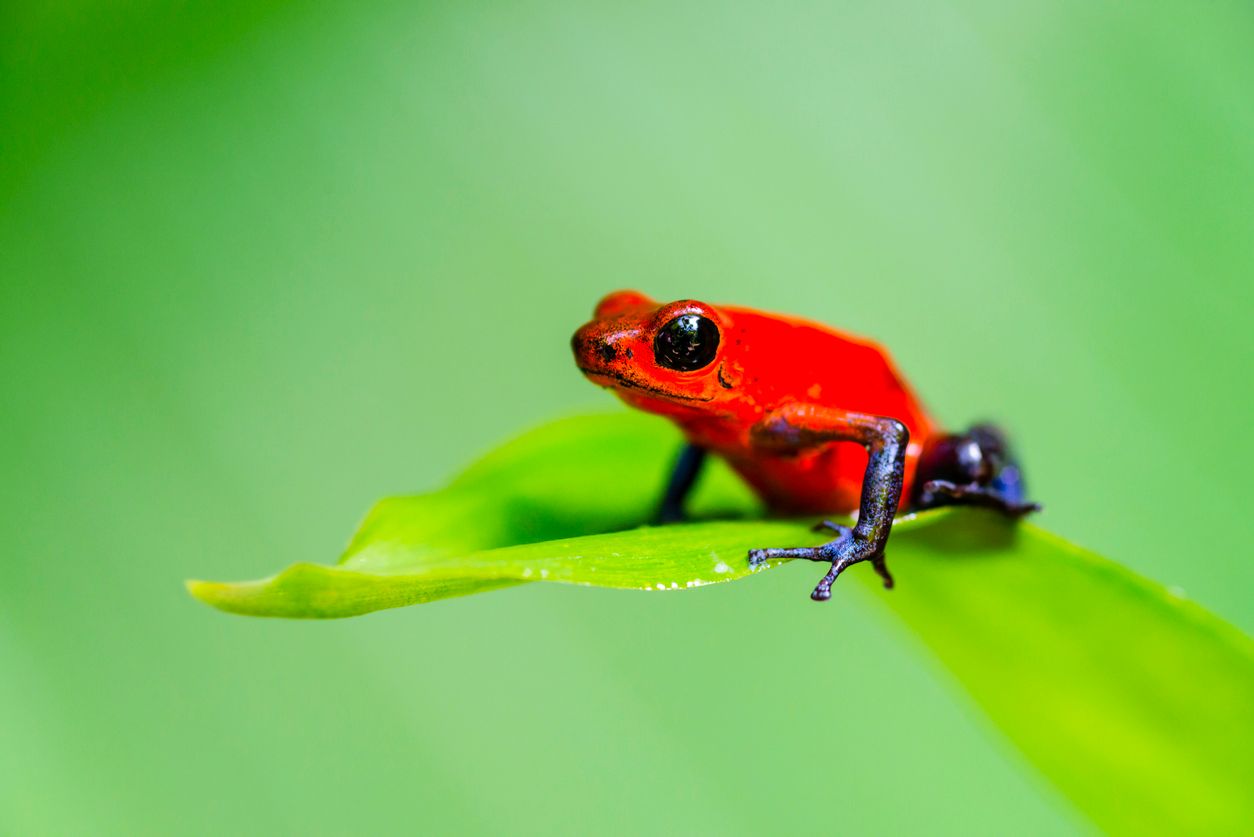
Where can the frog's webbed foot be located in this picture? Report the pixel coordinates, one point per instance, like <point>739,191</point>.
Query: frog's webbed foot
<point>847,549</point>
<point>975,468</point>
<point>667,514</point>
<point>944,492</point>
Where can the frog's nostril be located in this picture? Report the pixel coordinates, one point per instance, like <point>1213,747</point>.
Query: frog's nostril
<point>606,351</point>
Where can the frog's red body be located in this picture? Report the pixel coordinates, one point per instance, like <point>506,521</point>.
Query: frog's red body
<point>813,419</point>
<point>772,361</point>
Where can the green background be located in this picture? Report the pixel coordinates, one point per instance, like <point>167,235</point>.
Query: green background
<point>261,264</point>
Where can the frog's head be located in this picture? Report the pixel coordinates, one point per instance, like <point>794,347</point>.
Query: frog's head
<point>656,357</point>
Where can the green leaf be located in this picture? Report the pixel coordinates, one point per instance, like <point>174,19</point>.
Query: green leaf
<point>1136,703</point>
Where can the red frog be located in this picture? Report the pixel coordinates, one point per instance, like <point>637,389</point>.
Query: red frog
<point>815,420</point>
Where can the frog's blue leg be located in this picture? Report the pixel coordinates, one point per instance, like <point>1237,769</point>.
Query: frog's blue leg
<point>679,486</point>
<point>799,427</point>
<point>974,468</point>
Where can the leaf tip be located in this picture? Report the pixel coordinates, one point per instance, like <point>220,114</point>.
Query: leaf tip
<point>218,594</point>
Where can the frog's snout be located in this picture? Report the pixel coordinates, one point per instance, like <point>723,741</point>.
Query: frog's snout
<point>600,348</point>
<point>607,351</point>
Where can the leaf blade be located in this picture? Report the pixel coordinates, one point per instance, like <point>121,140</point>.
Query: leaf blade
<point>1136,703</point>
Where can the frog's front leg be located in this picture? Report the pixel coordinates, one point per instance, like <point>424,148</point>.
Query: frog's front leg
<point>679,486</point>
<point>800,426</point>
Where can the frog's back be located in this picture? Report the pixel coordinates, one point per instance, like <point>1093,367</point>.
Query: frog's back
<point>786,360</point>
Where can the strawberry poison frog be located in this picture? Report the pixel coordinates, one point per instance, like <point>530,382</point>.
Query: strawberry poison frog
<point>813,419</point>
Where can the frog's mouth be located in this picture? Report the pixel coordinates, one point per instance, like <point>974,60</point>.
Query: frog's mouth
<point>623,382</point>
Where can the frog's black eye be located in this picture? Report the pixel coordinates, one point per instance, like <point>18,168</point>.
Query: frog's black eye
<point>686,343</point>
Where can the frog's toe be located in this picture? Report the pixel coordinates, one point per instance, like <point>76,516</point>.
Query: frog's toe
<point>881,569</point>
<point>842,552</point>
<point>757,557</point>
<point>829,526</point>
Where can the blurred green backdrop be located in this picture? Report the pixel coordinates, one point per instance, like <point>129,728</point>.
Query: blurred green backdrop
<point>262,263</point>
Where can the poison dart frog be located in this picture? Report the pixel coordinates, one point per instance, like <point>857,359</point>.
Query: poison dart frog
<point>813,419</point>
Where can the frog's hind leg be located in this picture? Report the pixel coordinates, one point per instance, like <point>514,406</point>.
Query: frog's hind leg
<point>974,468</point>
